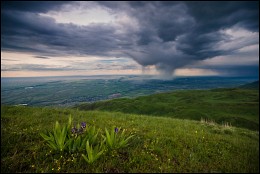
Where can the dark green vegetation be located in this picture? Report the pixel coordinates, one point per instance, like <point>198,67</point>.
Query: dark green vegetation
<point>253,85</point>
<point>238,106</point>
<point>160,145</point>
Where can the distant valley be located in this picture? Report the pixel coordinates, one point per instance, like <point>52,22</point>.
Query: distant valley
<point>69,91</point>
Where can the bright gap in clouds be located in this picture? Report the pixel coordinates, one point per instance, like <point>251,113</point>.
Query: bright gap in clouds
<point>194,72</point>
<point>80,16</point>
<point>237,38</point>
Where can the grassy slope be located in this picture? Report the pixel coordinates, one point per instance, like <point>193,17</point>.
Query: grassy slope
<point>161,144</point>
<point>238,106</point>
<point>253,85</point>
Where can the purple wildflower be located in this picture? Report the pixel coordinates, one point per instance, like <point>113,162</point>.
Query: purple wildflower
<point>116,130</point>
<point>74,130</point>
<point>83,124</point>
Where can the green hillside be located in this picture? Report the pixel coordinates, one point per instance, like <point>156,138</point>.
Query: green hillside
<point>160,144</point>
<point>238,106</point>
<point>253,85</point>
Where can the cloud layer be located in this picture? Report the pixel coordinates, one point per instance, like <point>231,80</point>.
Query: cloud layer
<point>167,35</point>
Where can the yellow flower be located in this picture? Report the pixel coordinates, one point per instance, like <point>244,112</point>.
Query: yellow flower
<point>196,132</point>
<point>33,166</point>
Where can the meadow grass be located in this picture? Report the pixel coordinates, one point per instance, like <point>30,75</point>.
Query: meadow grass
<point>160,144</point>
<point>239,107</point>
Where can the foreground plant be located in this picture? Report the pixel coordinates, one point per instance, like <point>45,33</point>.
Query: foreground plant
<point>57,139</point>
<point>116,139</point>
<point>76,144</point>
<point>78,140</point>
<point>93,153</point>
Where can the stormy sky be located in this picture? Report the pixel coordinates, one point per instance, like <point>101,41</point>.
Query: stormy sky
<point>168,38</point>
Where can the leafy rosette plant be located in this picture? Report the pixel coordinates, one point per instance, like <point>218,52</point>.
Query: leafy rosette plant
<point>76,144</point>
<point>80,136</point>
<point>58,138</point>
<point>116,139</point>
<point>93,153</point>
<point>92,135</point>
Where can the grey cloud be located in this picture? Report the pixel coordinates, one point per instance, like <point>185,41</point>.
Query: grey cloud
<point>33,33</point>
<point>114,66</point>
<point>41,57</point>
<point>32,6</point>
<point>111,60</point>
<point>235,70</point>
<point>213,15</point>
<point>36,67</point>
<point>130,67</point>
<point>175,34</point>
<point>9,59</point>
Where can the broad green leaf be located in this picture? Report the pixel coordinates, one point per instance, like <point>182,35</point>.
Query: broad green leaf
<point>84,156</point>
<point>45,137</point>
<point>108,138</point>
<point>52,145</point>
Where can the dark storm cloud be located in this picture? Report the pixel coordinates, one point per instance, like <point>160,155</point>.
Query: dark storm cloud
<point>175,34</point>
<point>30,32</point>
<point>236,70</point>
<point>213,15</point>
<point>32,6</point>
<point>41,57</point>
<point>169,35</point>
<point>245,70</point>
<point>198,31</point>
